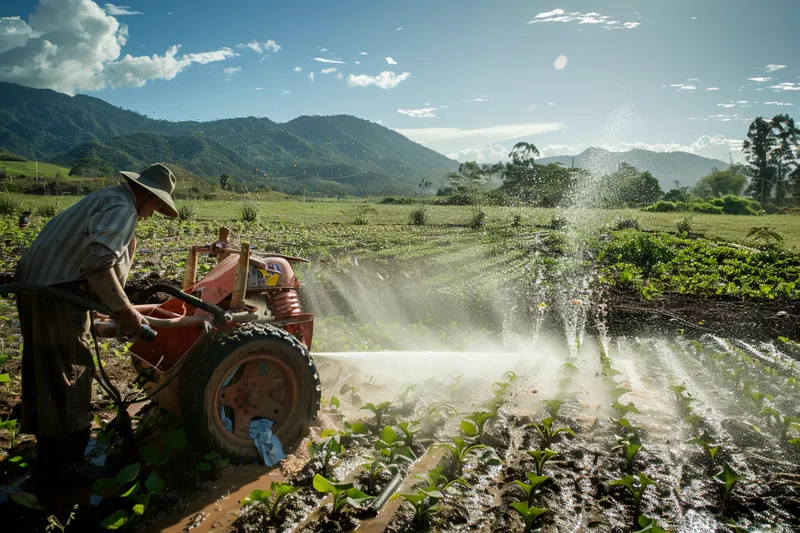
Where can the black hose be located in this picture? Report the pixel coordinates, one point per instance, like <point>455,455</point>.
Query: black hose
<point>387,493</point>
<point>61,294</point>
<point>219,313</point>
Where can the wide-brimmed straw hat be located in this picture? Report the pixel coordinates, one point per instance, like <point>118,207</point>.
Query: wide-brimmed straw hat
<point>159,180</point>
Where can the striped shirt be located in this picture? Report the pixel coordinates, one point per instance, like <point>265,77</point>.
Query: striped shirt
<point>93,234</point>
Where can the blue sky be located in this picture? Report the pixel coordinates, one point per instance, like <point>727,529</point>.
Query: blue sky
<point>465,77</point>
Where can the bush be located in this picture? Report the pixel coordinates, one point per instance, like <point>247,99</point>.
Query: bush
<point>9,205</point>
<point>249,211</point>
<point>457,199</point>
<point>708,209</point>
<point>645,250</point>
<point>736,205</point>
<point>517,221</point>
<point>186,212</point>
<point>361,214</point>
<point>558,222</point>
<point>684,225</point>
<point>478,219</point>
<point>625,222</point>
<point>419,216</point>
<point>664,207</point>
<point>48,209</point>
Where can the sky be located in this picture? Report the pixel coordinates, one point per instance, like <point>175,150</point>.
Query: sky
<point>466,78</point>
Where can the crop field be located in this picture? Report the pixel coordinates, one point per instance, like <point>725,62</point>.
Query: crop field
<point>28,168</point>
<point>485,373</point>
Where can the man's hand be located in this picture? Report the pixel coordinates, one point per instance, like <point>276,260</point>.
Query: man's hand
<point>130,321</point>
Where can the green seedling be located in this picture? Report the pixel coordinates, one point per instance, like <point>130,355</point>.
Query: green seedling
<point>707,443</point>
<point>554,406</point>
<point>375,467</point>
<point>12,426</point>
<point>425,505</point>
<point>271,498</point>
<point>456,382</point>
<point>510,376</point>
<point>624,409</point>
<point>436,481</point>
<point>342,493</point>
<point>530,488</point>
<point>379,410</point>
<point>392,447</point>
<point>626,427</point>
<point>403,397</point>
<point>116,486</point>
<point>784,423</point>
<point>351,431</point>
<point>541,457</point>
<point>172,443</point>
<point>649,525</point>
<point>326,449</point>
<point>434,414</point>
<point>630,446</point>
<point>474,424</point>
<point>499,391</point>
<point>529,514</point>
<point>460,449</point>
<point>729,477</point>
<point>636,489</point>
<point>212,461</point>
<point>548,432</point>
<point>334,403</point>
<point>408,432</point>
<point>616,391</point>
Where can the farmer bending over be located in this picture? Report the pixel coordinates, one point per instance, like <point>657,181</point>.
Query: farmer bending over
<point>92,242</point>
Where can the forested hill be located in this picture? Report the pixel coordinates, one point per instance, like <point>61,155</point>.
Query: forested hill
<point>351,154</point>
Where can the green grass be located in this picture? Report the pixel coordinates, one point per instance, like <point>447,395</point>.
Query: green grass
<point>28,168</point>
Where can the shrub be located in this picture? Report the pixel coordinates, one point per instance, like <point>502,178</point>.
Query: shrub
<point>48,209</point>
<point>684,225</point>
<point>478,219</point>
<point>664,207</point>
<point>419,216</point>
<point>249,211</point>
<point>641,249</point>
<point>558,222</point>
<point>708,209</point>
<point>186,211</point>
<point>517,221</point>
<point>361,214</point>
<point>625,222</point>
<point>9,205</point>
<point>736,205</point>
<point>457,199</point>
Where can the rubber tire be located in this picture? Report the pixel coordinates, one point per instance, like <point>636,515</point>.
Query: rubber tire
<point>212,363</point>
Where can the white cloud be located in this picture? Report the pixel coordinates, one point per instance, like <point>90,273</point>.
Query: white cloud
<point>378,122</point>
<point>384,80</point>
<point>298,69</point>
<point>400,28</point>
<point>231,71</point>
<point>786,86</point>
<point>286,92</point>
<point>323,49</point>
<point>773,68</point>
<point>684,86</point>
<point>362,53</point>
<point>482,99</point>
<point>391,61</point>
<point>759,79</point>
<point>488,154</point>
<point>483,136</point>
<point>330,70</point>
<point>358,62</point>
<point>777,103</point>
<point>72,45</point>
<point>259,88</point>
<point>311,76</point>
<point>324,60</point>
<point>559,15</point>
<point>560,62</point>
<point>116,11</point>
<point>261,48</point>
<point>418,113</point>
<point>712,88</point>
<point>551,103</point>
<point>694,18</point>
<point>716,146</point>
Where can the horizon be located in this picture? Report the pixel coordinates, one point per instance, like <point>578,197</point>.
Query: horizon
<point>566,76</point>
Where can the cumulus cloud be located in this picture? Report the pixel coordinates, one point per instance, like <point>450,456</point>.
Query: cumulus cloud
<point>231,71</point>
<point>773,68</point>
<point>759,79</point>
<point>391,61</point>
<point>116,11</point>
<point>418,113</point>
<point>559,15</point>
<point>684,86</point>
<point>786,86</point>
<point>41,53</point>
<point>488,154</point>
<point>385,80</point>
<point>261,48</point>
<point>485,135</point>
<point>324,60</point>
<point>716,146</point>
<point>357,62</point>
<point>330,70</point>
<point>298,69</point>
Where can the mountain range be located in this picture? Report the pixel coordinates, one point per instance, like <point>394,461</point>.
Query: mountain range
<point>338,154</point>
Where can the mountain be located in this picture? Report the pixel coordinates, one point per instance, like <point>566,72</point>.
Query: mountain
<point>667,167</point>
<point>340,153</point>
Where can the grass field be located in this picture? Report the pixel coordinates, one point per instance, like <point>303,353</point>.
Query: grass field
<point>28,168</point>
<point>727,227</point>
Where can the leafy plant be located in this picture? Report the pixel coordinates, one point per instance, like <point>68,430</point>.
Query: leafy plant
<point>649,525</point>
<point>405,393</point>
<point>173,442</point>
<point>425,505</point>
<point>408,432</point>
<point>434,413</point>
<point>547,431</point>
<point>630,446</point>
<point>460,449</point>
<point>474,424</point>
<point>379,410</point>
<point>729,477</point>
<point>624,409</point>
<point>248,211</point>
<point>530,488</point>
<point>48,209</point>
<point>541,457</point>
<point>54,523</point>
<point>765,235</point>
<point>9,205</point>
<point>558,222</point>
<point>342,493</point>
<point>375,467</point>
<point>625,425</point>
<point>707,443</point>
<point>635,485</point>
<point>418,216</point>
<point>326,449</point>
<point>271,498</point>
<point>625,222</point>
<point>529,514</point>
<point>352,430</point>
<point>186,211</point>
<point>683,226</point>
<point>12,426</point>
<point>554,406</point>
<point>478,219</point>
<point>212,461</point>
<point>436,481</point>
<point>392,447</point>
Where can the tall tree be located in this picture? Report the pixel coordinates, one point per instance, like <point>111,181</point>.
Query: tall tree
<point>225,182</point>
<point>721,183</point>
<point>523,154</point>
<point>784,155</point>
<point>469,177</point>
<point>758,149</point>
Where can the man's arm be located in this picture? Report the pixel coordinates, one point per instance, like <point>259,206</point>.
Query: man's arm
<point>105,284</point>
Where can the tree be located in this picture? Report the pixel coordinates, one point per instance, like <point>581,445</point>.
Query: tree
<point>721,183</point>
<point>784,155</point>
<point>758,148</point>
<point>468,179</point>
<point>628,187</point>
<point>226,182</point>
<point>91,167</point>
<point>522,154</point>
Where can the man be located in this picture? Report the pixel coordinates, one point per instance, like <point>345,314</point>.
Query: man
<point>93,242</point>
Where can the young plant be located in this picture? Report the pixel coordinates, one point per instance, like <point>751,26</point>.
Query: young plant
<point>392,447</point>
<point>408,432</point>
<point>707,443</point>
<point>425,505</point>
<point>212,461</point>
<point>630,446</point>
<point>529,514</point>
<point>530,488</point>
<point>351,431</point>
<point>404,396</point>
<point>649,525</point>
<point>328,447</point>
<point>460,449</point>
<point>636,489</point>
<point>624,409</point>
<point>271,498</point>
<point>548,432</point>
<point>473,426</point>
<point>729,477</point>
<point>437,482</point>
<point>375,467</point>
<point>554,406</point>
<point>342,494</point>
<point>625,425</point>
<point>12,426</point>
<point>379,410</point>
<point>541,457</point>
<point>434,414</point>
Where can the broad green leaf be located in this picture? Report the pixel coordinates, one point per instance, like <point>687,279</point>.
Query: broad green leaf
<point>153,456</point>
<point>105,486</point>
<point>469,428</point>
<point>142,501</point>
<point>284,488</point>
<point>358,428</point>
<point>222,463</point>
<point>4,378</point>
<point>132,491</point>
<point>175,440</point>
<point>328,433</point>
<point>388,435</point>
<point>210,456</point>
<point>255,496</point>
<point>204,467</point>
<point>154,483</point>
<point>25,499</point>
<point>335,402</point>
<point>116,520</point>
<point>128,474</point>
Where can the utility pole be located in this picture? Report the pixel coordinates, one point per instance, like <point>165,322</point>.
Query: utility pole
<point>36,178</point>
